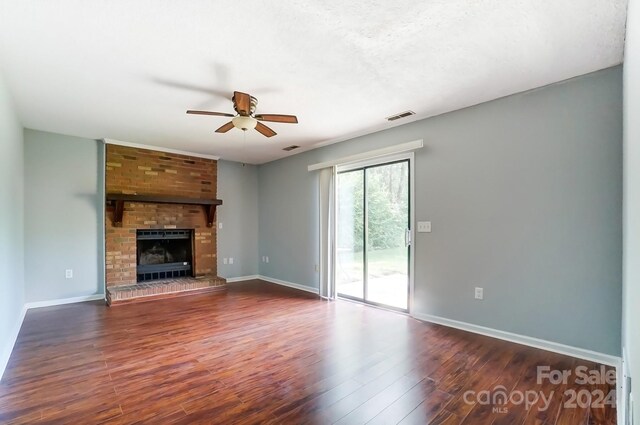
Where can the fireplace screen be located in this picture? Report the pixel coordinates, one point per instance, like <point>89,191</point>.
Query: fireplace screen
<point>164,254</point>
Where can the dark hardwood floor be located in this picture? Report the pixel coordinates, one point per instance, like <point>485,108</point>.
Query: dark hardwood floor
<point>260,353</point>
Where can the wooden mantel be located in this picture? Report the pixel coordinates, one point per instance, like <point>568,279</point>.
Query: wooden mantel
<point>118,200</point>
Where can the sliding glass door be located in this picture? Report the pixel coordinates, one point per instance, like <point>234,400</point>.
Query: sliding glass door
<point>372,234</point>
<point>350,235</point>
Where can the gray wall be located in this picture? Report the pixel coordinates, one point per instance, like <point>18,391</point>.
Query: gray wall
<point>289,221</point>
<point>11,224</point>
<point>525,197</point>
<point>632,199</point>
<point>238,238</point>
<point>63,216</point>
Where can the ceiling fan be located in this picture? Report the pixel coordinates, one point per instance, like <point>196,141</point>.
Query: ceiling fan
<point>245,106</point>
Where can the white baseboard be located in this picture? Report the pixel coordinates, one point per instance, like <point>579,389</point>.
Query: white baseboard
<point>49,303</point>
<point>6,351</point>
<point>289,284</point>
<point>241,278</point>
<point>542,344</point>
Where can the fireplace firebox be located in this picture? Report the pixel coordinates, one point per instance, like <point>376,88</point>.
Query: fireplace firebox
<point>164,254</point>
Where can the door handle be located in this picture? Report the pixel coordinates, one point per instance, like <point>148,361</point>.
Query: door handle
<point>407,237</point>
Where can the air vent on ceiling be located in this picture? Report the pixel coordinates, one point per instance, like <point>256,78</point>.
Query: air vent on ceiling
<point>290,148</point>
<point>400,115</point>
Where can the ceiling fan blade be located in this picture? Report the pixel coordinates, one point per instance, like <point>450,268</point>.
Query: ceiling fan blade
<point>264,130</point>
<point>242,103</point>
<point>289,119</point>
<point>228,126</point>
<point>218,114</point>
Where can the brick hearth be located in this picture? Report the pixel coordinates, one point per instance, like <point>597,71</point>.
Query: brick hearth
<point>146,172</point>
<point>146,291</point>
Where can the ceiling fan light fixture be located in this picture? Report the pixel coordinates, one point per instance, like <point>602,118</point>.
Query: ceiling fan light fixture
<point>245,106</point>
<point>244,123</point>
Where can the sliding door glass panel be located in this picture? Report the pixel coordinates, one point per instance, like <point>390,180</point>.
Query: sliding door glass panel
<point>350,234</point>
<point>387,221</point>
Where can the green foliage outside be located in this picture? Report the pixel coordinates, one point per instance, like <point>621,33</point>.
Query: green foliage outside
<point>387,207</point>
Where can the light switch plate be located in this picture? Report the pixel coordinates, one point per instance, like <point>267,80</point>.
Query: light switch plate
<point>230,260</point>
<point>220,225</point>
<point>68,273</point>
<point>424,227</point>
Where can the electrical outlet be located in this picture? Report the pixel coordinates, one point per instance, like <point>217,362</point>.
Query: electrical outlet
<point>220,225</point>
<point>424,227</point>
<point>68,273</point>
<point>479,293</point>
<point>230,260</point>
<point>225,260</point>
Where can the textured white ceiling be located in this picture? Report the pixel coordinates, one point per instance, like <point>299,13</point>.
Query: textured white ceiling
<point>128,70</point>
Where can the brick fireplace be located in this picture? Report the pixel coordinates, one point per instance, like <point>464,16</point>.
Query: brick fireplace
<point>167,195</point>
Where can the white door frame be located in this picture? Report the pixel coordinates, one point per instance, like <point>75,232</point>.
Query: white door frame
<point>412,187</point>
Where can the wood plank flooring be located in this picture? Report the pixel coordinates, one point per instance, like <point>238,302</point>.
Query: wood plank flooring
<point>260,353</point>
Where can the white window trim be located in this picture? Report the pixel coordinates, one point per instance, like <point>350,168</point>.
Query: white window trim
<point>370,155</point>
